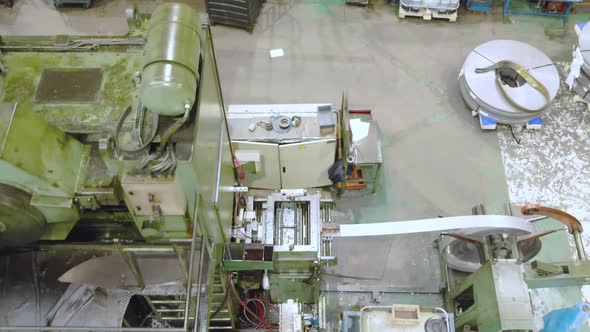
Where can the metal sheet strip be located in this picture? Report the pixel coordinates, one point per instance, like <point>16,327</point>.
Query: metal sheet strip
<point>460,225</point>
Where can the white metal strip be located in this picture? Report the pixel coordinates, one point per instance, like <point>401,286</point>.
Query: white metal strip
<point>461,224</point>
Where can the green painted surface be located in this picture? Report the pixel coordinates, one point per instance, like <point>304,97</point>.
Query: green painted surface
<point>164,227</point>
<point>171,62</point>
<point>51,166</point>
<point>56,212</point>
<point>118,87</point>
<point>286,286</point>
<point>560,274</point>
<point>39,157</point>
<point>556,248</point>
<point>294,261</point>
<point>200,174</point>
<point>487,314</point>
<point>232,266</point>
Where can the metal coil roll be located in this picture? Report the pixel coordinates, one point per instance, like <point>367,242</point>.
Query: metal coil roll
<point>510,94</point>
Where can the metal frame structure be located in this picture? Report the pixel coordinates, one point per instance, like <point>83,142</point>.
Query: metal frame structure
<point>303,223</point>
<point>173,245</point>
<point>369,165</point>
<point>507,11</point>
<point>482,6</point>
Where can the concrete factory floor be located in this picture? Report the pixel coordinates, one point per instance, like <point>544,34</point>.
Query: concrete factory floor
<point>437,160</point>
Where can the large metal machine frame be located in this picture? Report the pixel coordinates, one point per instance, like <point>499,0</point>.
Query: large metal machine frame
<point>63,199</point>
<point>185,204</point>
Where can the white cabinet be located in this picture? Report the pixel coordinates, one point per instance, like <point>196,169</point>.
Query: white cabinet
<point>306,164</point>
<point>264,173</point>
<point>286,166</point>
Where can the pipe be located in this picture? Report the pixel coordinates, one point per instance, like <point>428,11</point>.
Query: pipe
<point>446,317</point>
<point>580,247</point>
<point>365,112</point>
<point>189,281</point>
<point>324,312</point>
<point>199,280</point>
<point>320,313</point>
<point>535,219</point>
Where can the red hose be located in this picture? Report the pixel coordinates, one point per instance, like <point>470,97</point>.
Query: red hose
<point>265,324</point>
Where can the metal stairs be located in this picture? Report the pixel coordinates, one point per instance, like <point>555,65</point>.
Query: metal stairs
<point>222,321</point>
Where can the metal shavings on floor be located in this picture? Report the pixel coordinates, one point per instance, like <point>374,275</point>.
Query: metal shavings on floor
<point>551,167</point>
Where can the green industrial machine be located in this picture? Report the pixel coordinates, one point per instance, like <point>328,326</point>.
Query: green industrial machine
<point>117,178</point>
<point>117,149</point>
<point>117,146</point>
<point>116,134</point>
<point>495,297</point>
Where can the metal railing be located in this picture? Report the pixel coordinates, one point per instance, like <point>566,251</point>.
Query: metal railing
<point>173,245</point>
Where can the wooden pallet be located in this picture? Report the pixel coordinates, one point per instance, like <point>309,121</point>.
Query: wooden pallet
<point>427,14</point>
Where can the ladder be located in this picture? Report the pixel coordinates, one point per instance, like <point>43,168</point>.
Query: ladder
<point>222,321</point>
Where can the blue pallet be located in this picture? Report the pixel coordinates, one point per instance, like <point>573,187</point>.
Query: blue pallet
<point>479,6</point>
<point>490,124</point>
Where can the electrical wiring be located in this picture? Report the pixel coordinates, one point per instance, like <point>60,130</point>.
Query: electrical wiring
<point>143,145</point>
<point>261,311</point>
<point>241,176</point>
<point>266,302</point>
<point>262,303</point>
<point>246,235</point>
<point>444,312</point>
<point>514,136</point>
<point>236,204</point>
<point>270,304</point>
<point>241,173</point>
<point>265,324</point>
